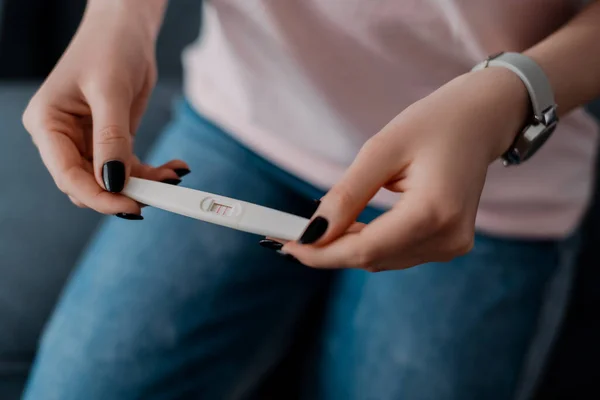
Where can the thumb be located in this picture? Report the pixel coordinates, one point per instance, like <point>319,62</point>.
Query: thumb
<point>111,140</point>
<point>343,203</point>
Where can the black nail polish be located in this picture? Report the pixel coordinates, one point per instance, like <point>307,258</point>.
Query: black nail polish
<point>113,175</point>
<point>314,231</point>
<point>130,217</point>
<point>271,244</point>
<point>172,181</point>
<point>181,172</point>
<point>291,258</point>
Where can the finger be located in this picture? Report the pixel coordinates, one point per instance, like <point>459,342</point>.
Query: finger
<point>77,202</point>
<point>340,207</point>
<point>112,139</point>
<point>88,166</point>
<point>72,176</point>
<point>87,137</point>
<point>396,235</point>
<point>354,228</point>
<point>83,186</point>
<point>180,167</point>
<point>341,253</point>
<point>173,170</point>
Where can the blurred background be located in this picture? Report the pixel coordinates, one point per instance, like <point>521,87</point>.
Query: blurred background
<point>42,233</point>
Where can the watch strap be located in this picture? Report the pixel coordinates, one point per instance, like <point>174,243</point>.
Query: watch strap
<point>532,76</point>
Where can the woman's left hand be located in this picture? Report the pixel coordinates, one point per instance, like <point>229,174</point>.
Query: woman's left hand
<point>436,154</point>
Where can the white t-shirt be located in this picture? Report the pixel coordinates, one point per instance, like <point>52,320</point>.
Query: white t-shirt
<point>304,83</point>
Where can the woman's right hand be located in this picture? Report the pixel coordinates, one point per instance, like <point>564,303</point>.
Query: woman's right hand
<point>83,118</point>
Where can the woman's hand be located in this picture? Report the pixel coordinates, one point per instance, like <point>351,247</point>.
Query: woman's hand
<point>84,116</point>
<point>436,153</point>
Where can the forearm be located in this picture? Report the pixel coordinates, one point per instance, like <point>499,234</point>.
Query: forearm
<point>149,13</point>
<point>571,59</point>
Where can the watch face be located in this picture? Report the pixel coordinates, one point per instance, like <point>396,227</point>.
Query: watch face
<point>528,142</point>
<point>537,141</point>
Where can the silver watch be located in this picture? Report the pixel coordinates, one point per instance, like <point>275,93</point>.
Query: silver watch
<point>544,118</point>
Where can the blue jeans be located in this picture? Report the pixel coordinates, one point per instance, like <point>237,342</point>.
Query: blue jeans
<point>171,307</point>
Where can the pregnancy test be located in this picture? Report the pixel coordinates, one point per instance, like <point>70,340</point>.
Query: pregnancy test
<point>215,209</point>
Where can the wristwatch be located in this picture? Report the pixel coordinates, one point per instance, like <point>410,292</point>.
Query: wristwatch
<point>543,119</point>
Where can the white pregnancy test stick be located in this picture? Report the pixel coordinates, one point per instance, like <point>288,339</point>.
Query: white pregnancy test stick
<point>216,209</point>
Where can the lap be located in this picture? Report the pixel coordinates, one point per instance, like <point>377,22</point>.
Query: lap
<point>459,330</point>
<point>168,306</point>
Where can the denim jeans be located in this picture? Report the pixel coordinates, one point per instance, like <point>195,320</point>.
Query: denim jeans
<point>171,307</point>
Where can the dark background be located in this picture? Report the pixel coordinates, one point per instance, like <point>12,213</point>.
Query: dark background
<point>40,244</point>
<point>34,33</point>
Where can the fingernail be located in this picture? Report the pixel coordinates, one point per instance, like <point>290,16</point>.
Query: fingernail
<point>271,244</point>
<point>181,172</point>
<point>314,231</point>
<point>172,181</point>
<point>291,258</point>
<point>113,175</point>
<point>130,217</point>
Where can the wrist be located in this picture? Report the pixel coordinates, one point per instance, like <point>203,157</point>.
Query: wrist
<point>145,14</point>
<point>509,104</point>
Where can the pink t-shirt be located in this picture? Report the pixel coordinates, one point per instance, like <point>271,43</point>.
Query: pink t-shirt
<point>305,83</point>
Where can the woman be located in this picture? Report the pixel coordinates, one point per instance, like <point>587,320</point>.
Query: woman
<point>291,101</point>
